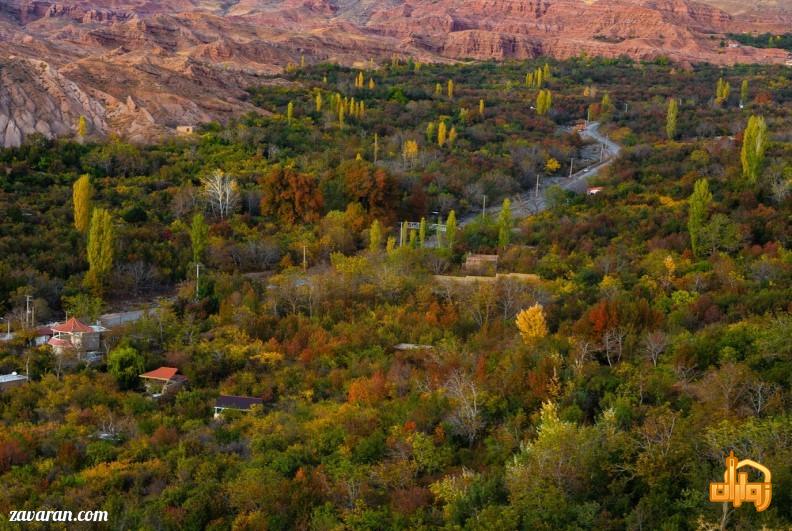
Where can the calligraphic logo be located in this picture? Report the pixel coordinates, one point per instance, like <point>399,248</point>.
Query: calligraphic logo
<point>736,489</point>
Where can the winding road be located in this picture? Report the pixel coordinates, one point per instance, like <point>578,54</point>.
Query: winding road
<point>526,203</point>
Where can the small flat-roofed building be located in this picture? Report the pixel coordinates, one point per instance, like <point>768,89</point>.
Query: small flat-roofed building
<point>411,346</point>
<point>594,190</point>
<point>9,381</point>
<point>235,403</point>
<point>185,129</point>
<point>162,381</point>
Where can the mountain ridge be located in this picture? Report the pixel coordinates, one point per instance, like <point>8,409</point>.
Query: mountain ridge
<point>151,67</point>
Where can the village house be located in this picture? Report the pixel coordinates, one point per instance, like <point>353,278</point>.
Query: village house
<point>235,403</point>
<point>162,381</point>
<point>78,339</point>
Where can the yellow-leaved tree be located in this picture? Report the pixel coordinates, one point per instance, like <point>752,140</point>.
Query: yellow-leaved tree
<point>531,323</point>
<point>82,128</point>
<point>441,134</point>
<point>552,165</point>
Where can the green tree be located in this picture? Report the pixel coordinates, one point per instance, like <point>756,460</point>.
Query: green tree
<point>82,306</point>
<point>753,148</point>
<point>698,205</point>
<point>451,229</point>
<point>744,92</point>
<point>505,224</point>
<point>719,234</point>
<point>422,232</point>
<point>290,112</point>
<point>125,364</point>
<point>430,132</point>
<point>199,236</point>
<point>671,118</point>
<point>82,192</point>
<point>100,249</point>
<point>451,89</point>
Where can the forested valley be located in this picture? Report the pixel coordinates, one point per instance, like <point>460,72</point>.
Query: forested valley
<point>636,332</point>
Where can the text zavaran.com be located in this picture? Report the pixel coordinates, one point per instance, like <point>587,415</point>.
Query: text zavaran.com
<point>57,516</point>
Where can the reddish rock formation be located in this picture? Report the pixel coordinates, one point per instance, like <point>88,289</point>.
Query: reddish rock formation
<point>140,68</point>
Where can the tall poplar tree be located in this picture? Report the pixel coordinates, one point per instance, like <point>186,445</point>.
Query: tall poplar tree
<point>452,136</point>
<point>375,236</point>
<point>199,236</point>
<point>698,205</point>
<point>82,128</point>
<point>504,224</point>
<point>671,118</point>
<point>82,192</point>
<point>451,230</point>
<point>441,134</point>
<point>753,148</point>
<point>100,249</point>
<point>722,90</point>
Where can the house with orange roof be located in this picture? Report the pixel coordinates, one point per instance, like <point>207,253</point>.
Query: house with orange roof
<point>76,338</point>
<point>162,381</point>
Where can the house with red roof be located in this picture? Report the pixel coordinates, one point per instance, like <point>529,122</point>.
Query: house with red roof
<point>165,380</point>
<point>76,338</point>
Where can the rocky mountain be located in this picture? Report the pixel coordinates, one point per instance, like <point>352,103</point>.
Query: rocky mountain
<point>141,67</point>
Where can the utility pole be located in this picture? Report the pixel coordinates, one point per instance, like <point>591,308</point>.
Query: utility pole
<point>484,208</point>
<point>537,186</point>
<point>27,311</point>
<point>305,260</point>
<point>602,151</point>
<point>197,278</point>
<point>571,162</point>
